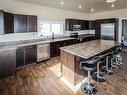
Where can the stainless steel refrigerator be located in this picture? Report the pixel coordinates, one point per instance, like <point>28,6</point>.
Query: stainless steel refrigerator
<point>107,31</point>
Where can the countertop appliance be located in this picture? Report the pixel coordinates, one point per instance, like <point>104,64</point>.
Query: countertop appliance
<point>107,31</point>
<point>74,35</point>
<point>43,52</point>
<point>76,27</point>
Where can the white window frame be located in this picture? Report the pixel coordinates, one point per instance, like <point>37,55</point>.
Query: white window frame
<point>53,22</point>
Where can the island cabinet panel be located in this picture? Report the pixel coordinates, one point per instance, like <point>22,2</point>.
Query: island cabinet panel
<point>8,23</point>
<point>7,63</point>
<point>70,68</point>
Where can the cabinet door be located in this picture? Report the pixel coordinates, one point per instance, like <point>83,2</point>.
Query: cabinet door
<point>91,25</point>
<point>20,57</point>
<point>53,49</point>
<point>1,22</point>
<point>31,23</point>
<point>7,63</point>
<point>20,23</point>
<point>69,24</point>
<point>30,54</point>
<point>8,23</point>
<point>86,25</point>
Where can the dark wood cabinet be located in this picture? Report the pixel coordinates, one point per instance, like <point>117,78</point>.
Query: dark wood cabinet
<point>106,21</point>
<point>69,23</point>
<point>54,49</point>
<point>30,54</point>
<point>17,23</point>
<point>8,23</point>
<point>55,46</point>
<point>7,63</point>
<point>20,57</point>
<point>1,22</point>
<point>86,25</point>
<point>25,23</point>
<point>20,23</point>
<point>91,25</point>
<point>26,55</point>
<point>31,23</point>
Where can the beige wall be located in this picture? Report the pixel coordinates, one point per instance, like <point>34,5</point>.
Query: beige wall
<point>42,12</point>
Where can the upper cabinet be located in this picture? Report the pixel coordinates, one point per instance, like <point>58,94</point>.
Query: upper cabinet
<point>25,23</point>
<point>8,23</point>
<point>20,23</point>
<point>91,25</point>
<point>31,23</point>
<point>106,21</point>
<point>17,23</point>
<point>85,24</point>
<point>1,22</point>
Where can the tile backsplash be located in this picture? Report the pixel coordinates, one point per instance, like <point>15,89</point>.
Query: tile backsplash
<point>34,35</point>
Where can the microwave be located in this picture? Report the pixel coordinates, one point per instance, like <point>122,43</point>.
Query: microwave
<point>76,27</point>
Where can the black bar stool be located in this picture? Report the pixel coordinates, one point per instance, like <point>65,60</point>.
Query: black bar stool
<point>89,66</point>
<point>98,76</point>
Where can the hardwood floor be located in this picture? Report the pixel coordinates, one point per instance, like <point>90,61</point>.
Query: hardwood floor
<point>44,79</point>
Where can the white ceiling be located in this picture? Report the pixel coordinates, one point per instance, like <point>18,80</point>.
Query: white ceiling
<point>98,5</point>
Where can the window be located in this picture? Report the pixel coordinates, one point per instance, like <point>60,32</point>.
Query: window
<point>46,28</point>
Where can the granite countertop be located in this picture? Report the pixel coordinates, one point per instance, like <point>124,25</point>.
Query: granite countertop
<point>88,49</point>
<point>15,45</point>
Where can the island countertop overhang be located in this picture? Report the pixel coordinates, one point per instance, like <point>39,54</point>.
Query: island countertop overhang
<point>88,49</point>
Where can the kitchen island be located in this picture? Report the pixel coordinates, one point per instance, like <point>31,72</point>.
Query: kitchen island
<point>72,55</point>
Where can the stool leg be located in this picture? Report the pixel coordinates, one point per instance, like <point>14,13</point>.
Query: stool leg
<point>97,77</point>
<point>88,77</point>
<point>89,88</point>
<point>108,71</point>
<point>106,63</point>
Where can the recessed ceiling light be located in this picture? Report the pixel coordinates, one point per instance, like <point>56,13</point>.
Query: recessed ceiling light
<point>92,10</point>
<point>62,3</point>
<point>110,1</point>
<point>112,5</point>
<point>80,7</point>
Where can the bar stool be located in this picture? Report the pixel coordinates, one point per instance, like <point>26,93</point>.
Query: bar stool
<point>89,66</point>
<point>109,61</point>
<point>98,76</point>
<point>117,60</point>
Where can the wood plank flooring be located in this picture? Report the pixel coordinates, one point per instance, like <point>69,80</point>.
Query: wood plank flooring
<point>44,79</point>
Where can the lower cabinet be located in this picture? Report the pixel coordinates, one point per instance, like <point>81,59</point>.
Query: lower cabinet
<point>26,55</point>
<point>30,54</point>
<point>54,46</point>
<point>7,63</point>
<point>20,57</point>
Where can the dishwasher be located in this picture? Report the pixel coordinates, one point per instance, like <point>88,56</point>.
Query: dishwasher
<point>43,52</point>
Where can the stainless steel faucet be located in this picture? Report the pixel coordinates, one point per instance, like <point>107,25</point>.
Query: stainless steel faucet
<point>53,35</point>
